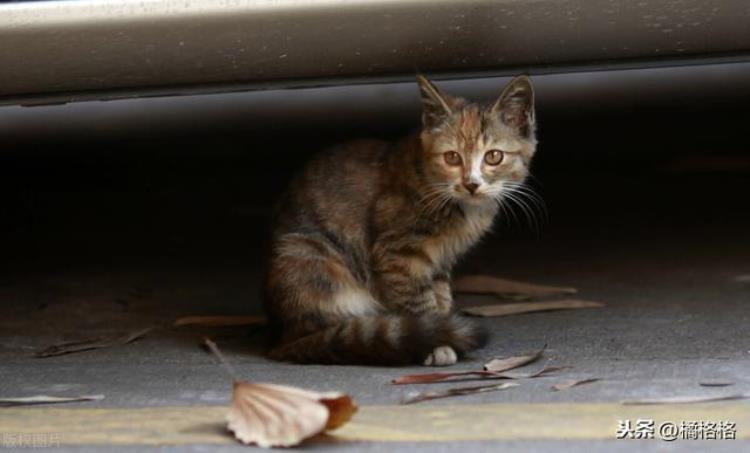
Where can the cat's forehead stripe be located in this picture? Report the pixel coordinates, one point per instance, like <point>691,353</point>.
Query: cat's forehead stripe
<point>471,120</point>
<point>470,127</point>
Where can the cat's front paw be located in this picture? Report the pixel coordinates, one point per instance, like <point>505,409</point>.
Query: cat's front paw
<point>441,356</point>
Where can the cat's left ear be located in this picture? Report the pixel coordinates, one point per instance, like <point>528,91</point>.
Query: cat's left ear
<point>515,106</point>
<point>436,105</point>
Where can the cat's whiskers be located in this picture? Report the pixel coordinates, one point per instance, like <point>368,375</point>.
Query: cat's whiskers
<point>505,201</point>
<point>528,193</point>
<point>523,197</point>
<point>446,200</point>
<point>435,198</point>
<point>529,213</point>
<point>506,212</point>
<point>507,208</point>
<point>442,200</point>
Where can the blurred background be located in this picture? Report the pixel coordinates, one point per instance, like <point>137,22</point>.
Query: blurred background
<point>624,155</point>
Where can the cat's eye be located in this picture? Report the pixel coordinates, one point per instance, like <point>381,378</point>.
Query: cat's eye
<point>452,158</point>
<point>493,157</point>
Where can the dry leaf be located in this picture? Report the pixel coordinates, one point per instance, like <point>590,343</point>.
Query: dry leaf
<point>45,399</point>
<point>508,363</point>
<point>715,384</point>
<point>428,378</point>
<point>539,373</point>
<point>484,284</point>
<point>98,343</point>
<point>220,320</point>
<point>529,307</point>
<point>573,383</point>
<point>458,391</point>
<point>437,377</point>
<point>492,369</point>
<point>270,415</point>
<point>687,399</point>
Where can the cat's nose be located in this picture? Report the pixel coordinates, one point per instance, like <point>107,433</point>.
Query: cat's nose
<point>471,187</point>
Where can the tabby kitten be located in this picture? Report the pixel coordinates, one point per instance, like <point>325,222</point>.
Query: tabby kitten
<point>366,236</point>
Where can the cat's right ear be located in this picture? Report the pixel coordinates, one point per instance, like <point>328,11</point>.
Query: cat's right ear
<point>515,106</point>
<point>435,104</point>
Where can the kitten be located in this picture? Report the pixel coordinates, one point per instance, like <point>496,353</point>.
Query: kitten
<point>366,236</point>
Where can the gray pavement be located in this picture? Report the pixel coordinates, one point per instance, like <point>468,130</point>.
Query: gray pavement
<point>674,317</point>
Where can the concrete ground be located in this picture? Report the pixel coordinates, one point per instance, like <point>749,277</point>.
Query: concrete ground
<point>676,315</point>
<point>100,241</point>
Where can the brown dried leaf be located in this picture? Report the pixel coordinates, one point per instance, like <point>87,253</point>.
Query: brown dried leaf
<point>573,383</point>
<point>220,320</point>
<point>687,399</point>
<point>46,399</point>
<point>271,415</point>
<point>458,391</point>
<point>529,307</point>
<point>492,370</point>
<point>539,373</point>
<point>508,363</point>
<point>86,345</point>
<point>428,378</point>
<point>484,284</point>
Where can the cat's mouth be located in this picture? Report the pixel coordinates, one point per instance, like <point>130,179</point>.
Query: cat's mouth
<point>471,193</point>
<point>475,198</point>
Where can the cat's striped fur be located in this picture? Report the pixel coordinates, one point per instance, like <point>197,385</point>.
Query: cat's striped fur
<point>365,238</point>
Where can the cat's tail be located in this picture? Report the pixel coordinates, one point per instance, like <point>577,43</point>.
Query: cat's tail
<point>383,340</point>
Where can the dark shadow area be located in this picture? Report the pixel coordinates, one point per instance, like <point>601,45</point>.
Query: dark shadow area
<point>194,190</point>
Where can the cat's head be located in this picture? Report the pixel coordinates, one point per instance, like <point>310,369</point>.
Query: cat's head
<point>474,153</point>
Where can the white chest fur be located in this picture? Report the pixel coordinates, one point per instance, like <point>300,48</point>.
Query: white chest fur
<point>461,234</point>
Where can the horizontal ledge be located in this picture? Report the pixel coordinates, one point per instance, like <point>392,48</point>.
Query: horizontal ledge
<point>93,49</point>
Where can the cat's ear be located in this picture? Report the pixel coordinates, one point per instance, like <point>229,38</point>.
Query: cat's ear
<point>515,106</point>
<point>436,105</point>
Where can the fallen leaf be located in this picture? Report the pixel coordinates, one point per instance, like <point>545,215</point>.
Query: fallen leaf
<point>484,284</point>
<point>428,378</point>
<point>458,391</point>
<point>573,383</point>
<point>508,363</point>
<point>98,343</point>
<point>46,399</point>
<point>492,369</point>
<point>220,320</point>
<point>539,373</point>
<point>528,307</point>
<point>687,399</point>
<point>270,415</point>
<point>715,384</point>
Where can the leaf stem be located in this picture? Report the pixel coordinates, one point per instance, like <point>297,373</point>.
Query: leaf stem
<point>215,350</point>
